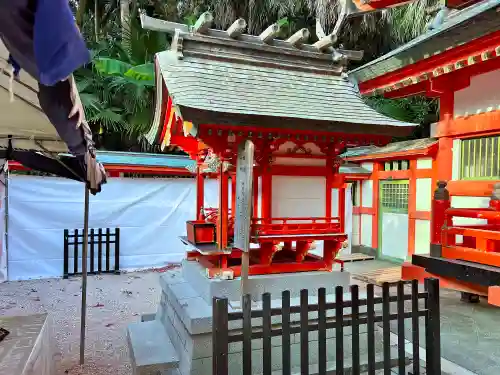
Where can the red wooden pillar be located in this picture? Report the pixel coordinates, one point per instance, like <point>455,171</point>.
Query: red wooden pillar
<point>233,194</point>
<point>267,192</point>
<point>341,206</point>
<point>223,208</point>
<point>440,203</point>
<point>200,190</point>
<point>494,205</point>
<point>255,192</point>
<point>329,187</point>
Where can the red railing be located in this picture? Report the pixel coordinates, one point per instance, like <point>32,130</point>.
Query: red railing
<point>480,242</point>
<point>295,225</point>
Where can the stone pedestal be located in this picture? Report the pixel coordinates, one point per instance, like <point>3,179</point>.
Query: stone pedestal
<point>27,350</point>
<point>185,312</point>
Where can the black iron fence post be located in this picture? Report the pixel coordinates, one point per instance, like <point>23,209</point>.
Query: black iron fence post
<point>394,309</point>
<point>66,254</point>
<point>433,329</point>
<point>101,237</point>
<point>117,251</point>
<point>220,336</point>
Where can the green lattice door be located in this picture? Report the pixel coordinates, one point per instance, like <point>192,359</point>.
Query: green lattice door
<point>393,219</point>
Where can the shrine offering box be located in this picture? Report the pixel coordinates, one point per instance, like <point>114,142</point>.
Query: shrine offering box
<point>200,232</point>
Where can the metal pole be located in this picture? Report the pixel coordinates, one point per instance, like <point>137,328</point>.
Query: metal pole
<point>84,276</point>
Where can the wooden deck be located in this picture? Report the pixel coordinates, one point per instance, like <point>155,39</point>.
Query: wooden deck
<point>389,275</point>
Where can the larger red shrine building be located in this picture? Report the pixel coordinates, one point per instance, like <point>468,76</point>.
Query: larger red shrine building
<point>457,62</point>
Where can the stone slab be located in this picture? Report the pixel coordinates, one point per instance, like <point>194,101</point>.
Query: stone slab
<point>195,275</point>
<point>151,350</point>
<point>195,311</point>
<point>27,350</point>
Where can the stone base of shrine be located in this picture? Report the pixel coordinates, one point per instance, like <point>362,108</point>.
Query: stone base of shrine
<point>194,274</point>
<point>185,312</point>
<point>27,350</point>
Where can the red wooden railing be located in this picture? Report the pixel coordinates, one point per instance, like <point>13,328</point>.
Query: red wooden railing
<point>295,225</point>
<point>480,243</point>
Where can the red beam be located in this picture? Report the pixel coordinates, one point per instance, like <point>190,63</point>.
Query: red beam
<point>473,48</point>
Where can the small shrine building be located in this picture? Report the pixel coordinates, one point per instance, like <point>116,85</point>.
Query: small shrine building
<point>294,101</point>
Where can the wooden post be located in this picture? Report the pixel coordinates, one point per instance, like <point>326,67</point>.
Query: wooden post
<point>440,203</point>
<point>342,208</point>
<point>329,187</point>
<point>494,205</point>
<point>255,193</point>
<point>233,195</point>
<point>200,191</point>
<point>84,276</point>
<point>266,192</point>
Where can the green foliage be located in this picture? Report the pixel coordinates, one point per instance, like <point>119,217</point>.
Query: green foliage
<point>418,109</point>
<point>117,88</point>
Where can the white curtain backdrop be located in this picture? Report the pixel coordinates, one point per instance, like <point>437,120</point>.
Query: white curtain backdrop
<point>3,252</point>
<point>151,215</point>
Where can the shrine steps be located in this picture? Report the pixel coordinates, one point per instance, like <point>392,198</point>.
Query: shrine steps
<point>151,351</point>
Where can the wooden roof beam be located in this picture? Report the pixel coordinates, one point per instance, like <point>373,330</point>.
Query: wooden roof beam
<point>237,28</point>
<point>203,23</point>
<point>150,23</point>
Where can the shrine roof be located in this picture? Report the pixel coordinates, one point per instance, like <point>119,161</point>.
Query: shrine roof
<point>216,77</point>
<point>350,168</point>
<point>458,28</point>
<point>249,89</point>
<point>404,148</point>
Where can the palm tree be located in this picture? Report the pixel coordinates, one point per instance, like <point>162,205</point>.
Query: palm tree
<point>117,87</point>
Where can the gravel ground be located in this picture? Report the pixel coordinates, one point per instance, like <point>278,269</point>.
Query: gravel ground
<point>113,302</point>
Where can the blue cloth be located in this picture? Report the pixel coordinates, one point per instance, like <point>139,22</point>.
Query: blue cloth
<point>59,46</point>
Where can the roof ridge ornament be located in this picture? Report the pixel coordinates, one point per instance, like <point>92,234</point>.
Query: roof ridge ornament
<point>270,33</point>
<point>203,23</point>
<point>237,28</point>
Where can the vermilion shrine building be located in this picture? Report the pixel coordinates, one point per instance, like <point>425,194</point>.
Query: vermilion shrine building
<point>458,63</point>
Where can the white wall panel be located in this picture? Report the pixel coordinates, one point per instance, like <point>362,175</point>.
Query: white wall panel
<point>424,163</point>
<point>366,230</point>
<point>368,166</point>
<point>298,196</point>
<point>355,229</point>
<point>367,193</point>
<point>469,202</point>
<point>482,95</point>
<point>456,155</point>
<point>335,202</point>
<point>422,236</point>
<point>424,194</point>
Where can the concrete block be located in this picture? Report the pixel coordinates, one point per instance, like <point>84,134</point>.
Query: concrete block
<point>150,348</point>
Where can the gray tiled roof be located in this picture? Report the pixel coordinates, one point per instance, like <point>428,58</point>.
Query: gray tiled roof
<point>251,89</point>
<point>417,144</point>
<point>458,28</point>
<point>350,168</point>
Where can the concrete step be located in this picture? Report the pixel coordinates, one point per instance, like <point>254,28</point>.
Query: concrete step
<point>151,351</point>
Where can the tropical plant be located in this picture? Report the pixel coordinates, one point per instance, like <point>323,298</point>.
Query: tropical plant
<point>117,88</point>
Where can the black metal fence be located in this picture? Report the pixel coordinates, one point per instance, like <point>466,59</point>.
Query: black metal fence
<point>103,245</point>
<point>223,336</point>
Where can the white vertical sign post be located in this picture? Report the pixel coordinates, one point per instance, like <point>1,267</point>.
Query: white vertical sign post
<point>244,200</point>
